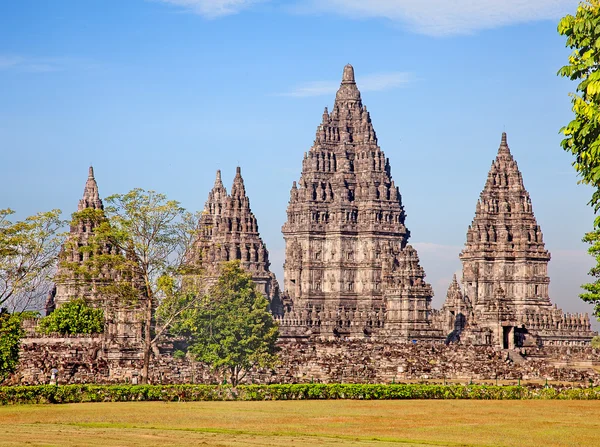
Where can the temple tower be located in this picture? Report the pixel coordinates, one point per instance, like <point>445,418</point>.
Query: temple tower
<point>228,231</point>
<point>70,285</point>
<point>505,247</point>
<point>123,321</point>
<point>505,267</point>
<point>346,242</point>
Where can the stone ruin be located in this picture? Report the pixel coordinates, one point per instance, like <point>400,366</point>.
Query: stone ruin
<point>123,321</point>
<point>505,300</point>
<point>355,292</point>
<point>228,231</point>
<point>349,270</point>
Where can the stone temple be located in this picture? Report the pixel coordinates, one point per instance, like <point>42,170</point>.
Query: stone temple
<point>123,324</point>
<point>349,270</point>
<point>505,301</point>
<point>228,231</point>
<point>68,285</point>
<point>356,305</point>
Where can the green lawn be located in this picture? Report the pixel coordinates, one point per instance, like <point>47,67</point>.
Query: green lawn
<point>407,423</point>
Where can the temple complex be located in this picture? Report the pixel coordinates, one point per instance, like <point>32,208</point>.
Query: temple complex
<point>349,270</point>
<point>505,270</point>
<point>356,306</point>
<point>228,231</point>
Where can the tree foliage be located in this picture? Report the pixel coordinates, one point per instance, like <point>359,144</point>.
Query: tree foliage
<point>582,134</point>
<point>28,250</point>
<point>144,238</point>
<point>232,329</point>
<point>11,333</point>
<point>73,317</point>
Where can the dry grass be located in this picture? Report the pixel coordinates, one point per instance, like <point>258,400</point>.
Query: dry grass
<point>305,423</point>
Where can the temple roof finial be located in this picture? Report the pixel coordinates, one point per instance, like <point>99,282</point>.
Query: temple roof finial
<point>238,189</point>
<point>91,197</point>
<point>348,77</point>
<point>504,144</point>
<point>218,181</point>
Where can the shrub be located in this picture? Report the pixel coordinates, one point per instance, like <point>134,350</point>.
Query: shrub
<point>73,317</point>
<point>193,393</point>
<point>179,354</point>
<point>11,332</point>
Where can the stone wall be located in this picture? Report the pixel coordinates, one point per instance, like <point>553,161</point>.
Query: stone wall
<point>87,360</point>
<point>77,359</point>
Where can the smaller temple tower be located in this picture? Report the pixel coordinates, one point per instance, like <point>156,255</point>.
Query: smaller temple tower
<point>70,285</point>
<point>228,230</point>
<point>505,268</point>
<point>123,324</point>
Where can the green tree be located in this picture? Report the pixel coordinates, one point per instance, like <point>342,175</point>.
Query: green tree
<point>582,134</point>
<point>149,238</point>
<point>28,250</point>
<point>231,328</point>
<point>11,333</point>
<point>73,317</point>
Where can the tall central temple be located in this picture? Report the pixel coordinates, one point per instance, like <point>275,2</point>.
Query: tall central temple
<point>348,262</point>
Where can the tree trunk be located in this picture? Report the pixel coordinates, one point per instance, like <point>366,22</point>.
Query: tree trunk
<point>147,341</point>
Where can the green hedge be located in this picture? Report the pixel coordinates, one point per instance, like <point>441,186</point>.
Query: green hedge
<point>43,394</point>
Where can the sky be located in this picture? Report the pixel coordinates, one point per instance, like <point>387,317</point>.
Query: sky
<point>159,94</point>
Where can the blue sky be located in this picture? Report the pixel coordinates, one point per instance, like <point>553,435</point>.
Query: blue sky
<point>159,94</point>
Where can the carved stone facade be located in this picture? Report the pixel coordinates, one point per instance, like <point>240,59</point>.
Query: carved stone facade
<point>452,318</point>
<point>70,285</point>
<point>123,324</point>
<point>505,269</point>
<point>228,231</point>
<point>348,263</point>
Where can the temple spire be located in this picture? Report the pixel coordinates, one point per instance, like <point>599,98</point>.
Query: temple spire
<point>91,196</point>
<point>218,181</point>
<point>348,76</point>
<point>504,145</point>
<point>238,189</point>
<point>216,197</point>
<point>348,93</point>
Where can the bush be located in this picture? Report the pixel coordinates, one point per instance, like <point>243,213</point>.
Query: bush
<point>73,317</point>
<point>44,394</point>
<point>179,354</point>
<point>11,332</point>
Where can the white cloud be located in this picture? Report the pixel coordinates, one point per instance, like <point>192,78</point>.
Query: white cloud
<point>29,64</point>
<point>370,83</point>
<point>7,62</point>
<point>213,8</point>
<point>432,17</point>
<point>445,17</point>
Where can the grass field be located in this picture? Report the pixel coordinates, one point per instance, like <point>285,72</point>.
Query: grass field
<point>409,423</point>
